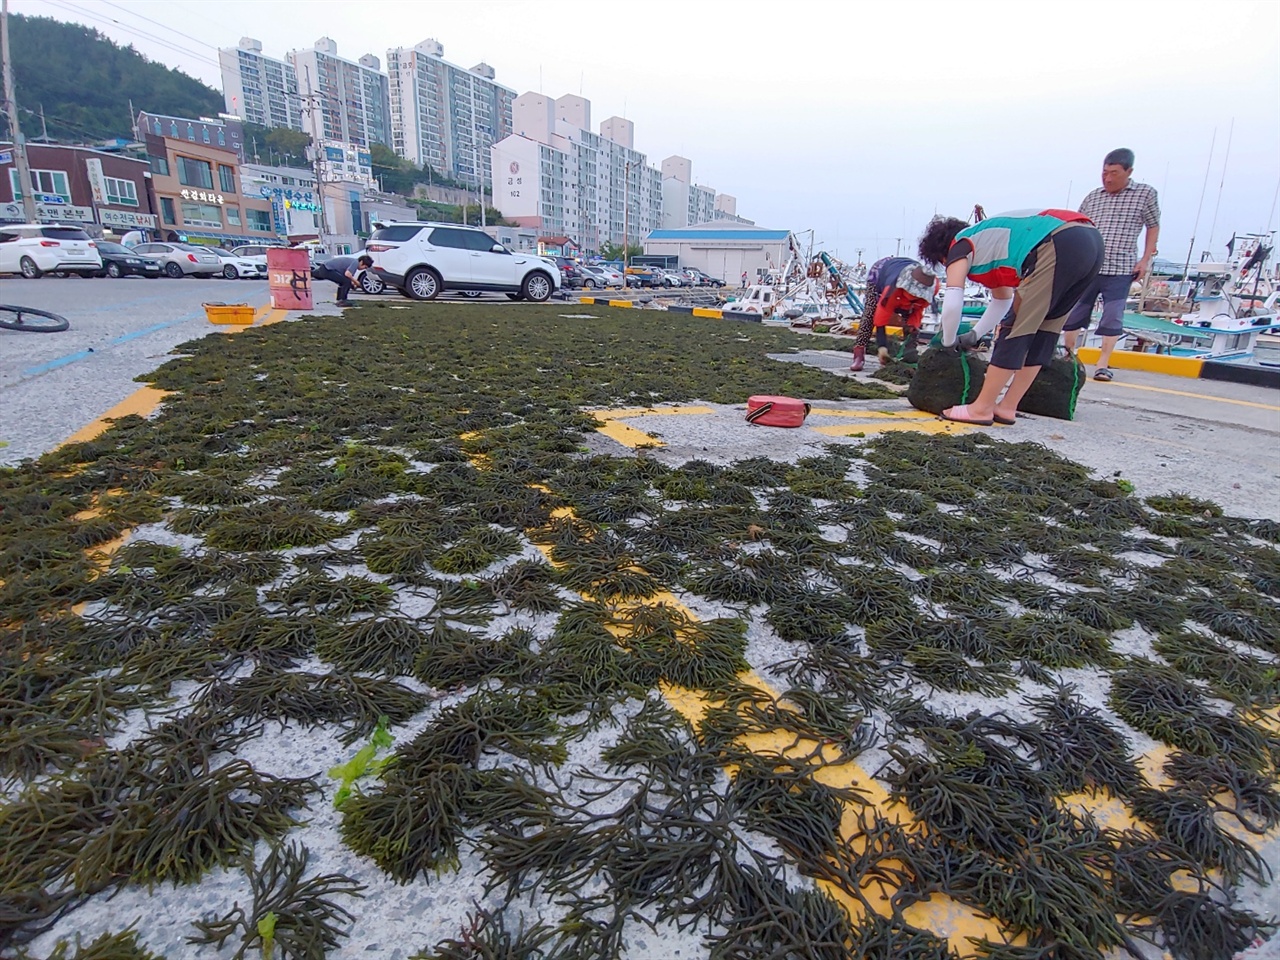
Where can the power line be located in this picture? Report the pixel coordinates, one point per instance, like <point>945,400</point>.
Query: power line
<point>68,7</point>
<point>164,26</point>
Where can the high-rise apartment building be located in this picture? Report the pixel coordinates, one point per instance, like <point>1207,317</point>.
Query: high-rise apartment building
<point>685,203</point>
<point>258,88</point>
<point>444,116</point>
<point>555,176</point>
<point>343,100</point>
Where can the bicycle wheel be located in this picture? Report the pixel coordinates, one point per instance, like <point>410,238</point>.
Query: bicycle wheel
<point>31,320</point>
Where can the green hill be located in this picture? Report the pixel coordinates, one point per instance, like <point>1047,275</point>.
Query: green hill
<point>85,81</point>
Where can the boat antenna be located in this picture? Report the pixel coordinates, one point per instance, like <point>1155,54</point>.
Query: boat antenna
<point>1187,266</point>
<point>1271,217</point>
<point>1225,160</point>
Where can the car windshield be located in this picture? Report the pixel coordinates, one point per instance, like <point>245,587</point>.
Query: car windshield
<point>107,246</point>
<point>64,233</point>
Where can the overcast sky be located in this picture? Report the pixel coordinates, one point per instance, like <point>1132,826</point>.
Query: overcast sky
<point>855,120</point>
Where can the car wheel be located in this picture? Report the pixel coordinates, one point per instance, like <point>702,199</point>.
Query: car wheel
<point>172,270</point>
<point>230,272</point>
<point>113,271</point>
<point>472,294</point>
<point>371,283</point>
<point>536,287</point>
<point>29,268</point>
<point>422,283</point>
<point>589,285</point>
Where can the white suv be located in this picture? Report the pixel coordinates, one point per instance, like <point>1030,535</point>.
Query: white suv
<point>422,260</point>
<point>32,249</point>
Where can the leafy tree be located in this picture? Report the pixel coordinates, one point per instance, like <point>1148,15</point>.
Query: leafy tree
<point>614,251</point>
<point>277,145</point>
<point>84,82</point>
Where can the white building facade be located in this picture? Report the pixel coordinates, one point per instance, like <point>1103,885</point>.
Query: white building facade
<point>685,203</point>
<point>258,88</point>
<point>444,116</point>
<point>724,249</point>
<point>555,176</point>
<point>342,100</point>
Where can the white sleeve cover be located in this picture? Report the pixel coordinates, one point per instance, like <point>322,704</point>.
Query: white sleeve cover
<point>952,310</point>
<point>995,312</point>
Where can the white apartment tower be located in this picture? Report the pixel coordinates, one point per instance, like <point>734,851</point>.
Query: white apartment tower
<point>444,116</point>
<point>342,100</point>
<point>556,176</point>
<point>684,203</point>
<point>258,88</point>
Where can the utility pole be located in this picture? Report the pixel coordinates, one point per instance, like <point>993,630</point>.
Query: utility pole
<point>626,214</point>
<point>11,105</point>
<point>317,152</point>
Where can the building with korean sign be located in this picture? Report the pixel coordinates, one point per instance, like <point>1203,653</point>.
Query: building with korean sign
<point>291,191</point>
<point>199,198</point>
<point>93,188</point>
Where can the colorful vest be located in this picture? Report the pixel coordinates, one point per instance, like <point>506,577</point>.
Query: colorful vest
<point>1001,244</point>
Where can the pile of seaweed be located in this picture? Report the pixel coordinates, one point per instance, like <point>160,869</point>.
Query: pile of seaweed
<point>335,523</point>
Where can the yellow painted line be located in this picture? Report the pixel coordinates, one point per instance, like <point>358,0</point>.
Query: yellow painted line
<point>627,436</point>
<point>708,312</point>
<point>871,414</point>
<point>629,412</point>
<point>932,427</point>
<point>1184,393</point>
<point>620,303</point>
<point>142,402</point>
<point>274,316</point>
<point>1151,362</point>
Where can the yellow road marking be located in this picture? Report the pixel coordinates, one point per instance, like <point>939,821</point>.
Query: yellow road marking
<point>933,427</point>
<point>142,402</point>
<point>1184,393</point>
<point>274,316</point>
<point>1151,362</point>
<point>612,427</point>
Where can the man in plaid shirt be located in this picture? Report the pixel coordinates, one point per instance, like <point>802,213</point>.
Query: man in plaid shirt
<point>1120,209</point>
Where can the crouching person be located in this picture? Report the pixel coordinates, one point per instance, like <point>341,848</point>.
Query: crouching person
<point>345,271</point>
<point>898,290</point>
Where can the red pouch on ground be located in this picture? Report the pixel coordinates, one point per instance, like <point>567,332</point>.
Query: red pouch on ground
<point>769,411</point>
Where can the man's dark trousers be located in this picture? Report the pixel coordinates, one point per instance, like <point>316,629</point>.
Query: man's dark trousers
<point>341,279</point>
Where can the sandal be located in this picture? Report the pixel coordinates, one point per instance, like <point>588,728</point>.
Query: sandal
<point>1103,374</point>
<point>1006,421</point>
<point>960,414</point>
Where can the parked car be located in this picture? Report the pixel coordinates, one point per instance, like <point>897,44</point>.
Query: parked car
<point>424,259</point>
<point>182,259</point>
<point>257,252</point>
<point>643,277</point>
<point>234,267</point>
<point>672,279</point>
<point>570,272</point>
<point>120,261</point>
<point>602,277</point>
<point>32,249</point>
<point>705,280</point>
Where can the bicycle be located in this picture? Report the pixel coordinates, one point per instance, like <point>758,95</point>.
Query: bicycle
<point>31,320</point>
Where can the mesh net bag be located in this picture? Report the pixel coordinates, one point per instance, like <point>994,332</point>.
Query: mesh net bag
<point>944,378</point>
<point>1056,389</point>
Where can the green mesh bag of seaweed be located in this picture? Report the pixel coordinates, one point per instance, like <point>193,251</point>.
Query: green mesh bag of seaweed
<point>1056,389</point>
<point>944,378</point>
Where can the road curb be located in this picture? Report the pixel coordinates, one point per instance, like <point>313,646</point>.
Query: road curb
<point>1192,368</point>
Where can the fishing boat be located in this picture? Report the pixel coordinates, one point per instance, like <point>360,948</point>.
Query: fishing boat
<point>1217,310</point>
